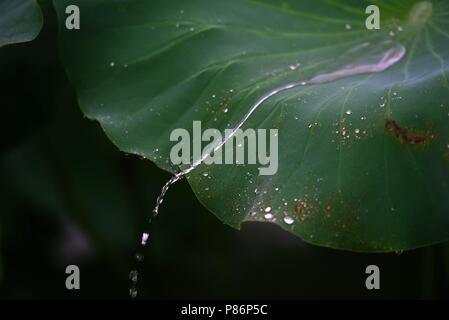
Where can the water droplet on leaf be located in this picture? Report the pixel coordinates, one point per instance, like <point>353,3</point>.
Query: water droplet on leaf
<point>294,66</point>
<point>268,216</point>
<point>289,220</point>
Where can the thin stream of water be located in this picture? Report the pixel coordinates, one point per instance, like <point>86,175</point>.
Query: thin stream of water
<point>383,59</point>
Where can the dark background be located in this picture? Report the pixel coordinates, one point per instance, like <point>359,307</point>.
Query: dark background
<point>68,196</point>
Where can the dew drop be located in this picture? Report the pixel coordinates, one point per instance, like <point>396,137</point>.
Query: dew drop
<point>112,64</point>
<point>268,216</point>
<point>267,209</point>
<point>205,174</point>
<point>289,220</point>
<point>348,26</point>
<point>348,112</point>
<point>294,66</point>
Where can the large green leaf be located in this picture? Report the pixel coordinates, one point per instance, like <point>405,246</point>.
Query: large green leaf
<point>20,21</point>
<point>363,146</point>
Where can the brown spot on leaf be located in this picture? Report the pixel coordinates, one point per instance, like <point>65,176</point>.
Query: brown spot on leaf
<point>301,209</point>
<point>406,135</point>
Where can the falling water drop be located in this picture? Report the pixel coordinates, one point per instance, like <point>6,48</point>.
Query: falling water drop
<point>133,292</point>
<point>145,237</point>
<point>139,257</point>
<point>133,275</point>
